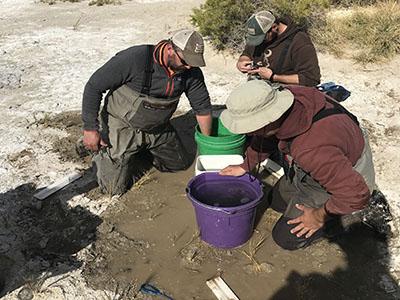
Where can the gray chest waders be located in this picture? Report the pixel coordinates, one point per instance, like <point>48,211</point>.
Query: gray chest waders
<point>133,121</point>
<point>138,109</point>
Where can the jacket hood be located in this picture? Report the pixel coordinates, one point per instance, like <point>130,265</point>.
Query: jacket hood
<point>308,101</point>
<point>291,29</point>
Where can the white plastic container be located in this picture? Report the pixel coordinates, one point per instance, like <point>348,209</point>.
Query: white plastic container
<point>271,166</point>
<point>215,163</point>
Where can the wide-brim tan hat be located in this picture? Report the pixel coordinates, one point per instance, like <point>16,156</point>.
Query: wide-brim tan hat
<point>253,105</point>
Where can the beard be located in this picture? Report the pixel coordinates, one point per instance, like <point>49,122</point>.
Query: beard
<point>272,36</point>
<point>174,67</point>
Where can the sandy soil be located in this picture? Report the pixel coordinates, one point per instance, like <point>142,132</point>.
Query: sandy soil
<point>79,244</point>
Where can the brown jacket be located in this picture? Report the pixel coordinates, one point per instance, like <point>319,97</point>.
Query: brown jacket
<point>327,149</point>
<point>301,57</point>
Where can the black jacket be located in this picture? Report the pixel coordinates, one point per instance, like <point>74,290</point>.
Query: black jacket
<point>127,67</point>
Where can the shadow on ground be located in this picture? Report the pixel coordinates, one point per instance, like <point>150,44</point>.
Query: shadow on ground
<point>366,275</point>
<point>39,239</point>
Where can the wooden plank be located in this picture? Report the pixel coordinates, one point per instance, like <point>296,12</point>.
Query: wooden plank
<point>58,185</point>
<point>220,289</point>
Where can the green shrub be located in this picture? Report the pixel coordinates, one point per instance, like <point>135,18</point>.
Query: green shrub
<point>306,13</point>
<point>223,21</point>
<point>104,2</point>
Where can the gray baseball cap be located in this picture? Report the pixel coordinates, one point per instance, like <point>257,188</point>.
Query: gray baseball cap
<point>191,44</point>
<point>257,26</point>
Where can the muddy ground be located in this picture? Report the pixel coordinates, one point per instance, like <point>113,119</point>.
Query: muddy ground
<point>150,235</point>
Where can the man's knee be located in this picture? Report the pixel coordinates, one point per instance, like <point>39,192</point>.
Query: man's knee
<point>113,177</point>
<point>289,241</point>
<point>167,165</point>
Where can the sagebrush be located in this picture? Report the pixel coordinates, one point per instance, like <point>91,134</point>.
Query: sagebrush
<point>223,21</point>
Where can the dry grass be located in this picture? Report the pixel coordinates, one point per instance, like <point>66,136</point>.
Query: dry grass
<point>194,237</point>
<point>251,253</point>
<point>374,32</point>
<point>145,179</point>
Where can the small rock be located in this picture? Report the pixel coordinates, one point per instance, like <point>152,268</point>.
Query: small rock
<point>25,294</point>
<point>43,243</point>
<point>266,267</point>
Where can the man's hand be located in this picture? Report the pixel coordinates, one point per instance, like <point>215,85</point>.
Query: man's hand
<point>309,222</point>
<point>244,64</point>
<point>92,140</point>
<point>232,170</point>
<point>264,72</point>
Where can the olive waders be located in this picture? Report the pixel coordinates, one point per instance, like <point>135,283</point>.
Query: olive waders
<point>133,122</point>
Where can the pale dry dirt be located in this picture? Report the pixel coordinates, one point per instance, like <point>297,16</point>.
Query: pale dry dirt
<point>80,244</point>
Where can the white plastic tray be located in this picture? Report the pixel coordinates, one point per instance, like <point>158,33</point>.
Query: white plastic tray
<point>215,163</point>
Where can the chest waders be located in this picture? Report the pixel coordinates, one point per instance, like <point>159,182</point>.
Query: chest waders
<point>298,187</point>
<point>134,121</point>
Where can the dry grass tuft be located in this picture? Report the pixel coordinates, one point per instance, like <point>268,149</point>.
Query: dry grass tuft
<point>251,254</point>
<point>145,179</point>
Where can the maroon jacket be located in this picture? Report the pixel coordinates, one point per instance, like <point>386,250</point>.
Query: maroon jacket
<point>327,149</point>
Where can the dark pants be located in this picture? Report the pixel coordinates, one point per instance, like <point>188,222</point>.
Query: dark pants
<point>283,198</point>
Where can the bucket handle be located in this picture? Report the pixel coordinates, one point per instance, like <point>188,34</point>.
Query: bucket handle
<point>229,212</point>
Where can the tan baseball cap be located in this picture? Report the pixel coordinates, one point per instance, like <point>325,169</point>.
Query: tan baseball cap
<point>257,26</point>
<point>191,43</point>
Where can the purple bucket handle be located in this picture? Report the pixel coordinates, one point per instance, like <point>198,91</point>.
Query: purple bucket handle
<point>229,212</point>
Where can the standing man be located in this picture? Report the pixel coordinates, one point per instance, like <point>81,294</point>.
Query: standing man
<point>329,170</point>
<point>279,51</point>
<point>144,85</point>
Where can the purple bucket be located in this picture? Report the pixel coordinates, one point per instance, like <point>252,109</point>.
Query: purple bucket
<point>225,207</point>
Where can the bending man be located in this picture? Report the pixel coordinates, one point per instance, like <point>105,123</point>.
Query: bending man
<point>329,168</point>
<point>145,83</point>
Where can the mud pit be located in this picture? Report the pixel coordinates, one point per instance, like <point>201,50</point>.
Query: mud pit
<point>160,244</point>
<point>150,235</point>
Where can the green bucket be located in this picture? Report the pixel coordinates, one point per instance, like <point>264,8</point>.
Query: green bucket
<point>221,141</point>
